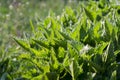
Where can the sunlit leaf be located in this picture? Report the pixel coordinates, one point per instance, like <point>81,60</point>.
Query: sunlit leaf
<point>22,43</point>
<point>91,15</point>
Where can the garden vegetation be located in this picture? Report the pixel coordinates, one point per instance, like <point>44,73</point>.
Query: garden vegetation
<point>80,44</point>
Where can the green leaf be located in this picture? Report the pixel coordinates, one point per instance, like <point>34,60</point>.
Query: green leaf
<point>75,32</point>
<point>117,52</point>
<point>67,37</point>
<point>96,30</point>
<point>76,45</point>
<point>36,52</point>
<point>24,56</point>
<point>101,47</point>
<point>61,52</point>
<point>108,27</point>
<point>58,35</point>
<point>53,60</point>
<point>91,15</point>
<point>47,22</point>
<point>66,61</point>
<point>69,11</point>
<point>41,43</point>
<point>23,44</point>
<point>83,33</point>
<point>75,69</point>
<point>60,43</point>
<point>110,50</point>
<point>113,76</point>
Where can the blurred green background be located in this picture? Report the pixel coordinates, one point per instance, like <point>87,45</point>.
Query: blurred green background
<point>15,16</point>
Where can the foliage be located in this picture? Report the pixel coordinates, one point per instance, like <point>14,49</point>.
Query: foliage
<point>80,44</point>
<point>15,17</point>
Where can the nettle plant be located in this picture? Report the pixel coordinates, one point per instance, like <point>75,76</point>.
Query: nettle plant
<point>81,44</point>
